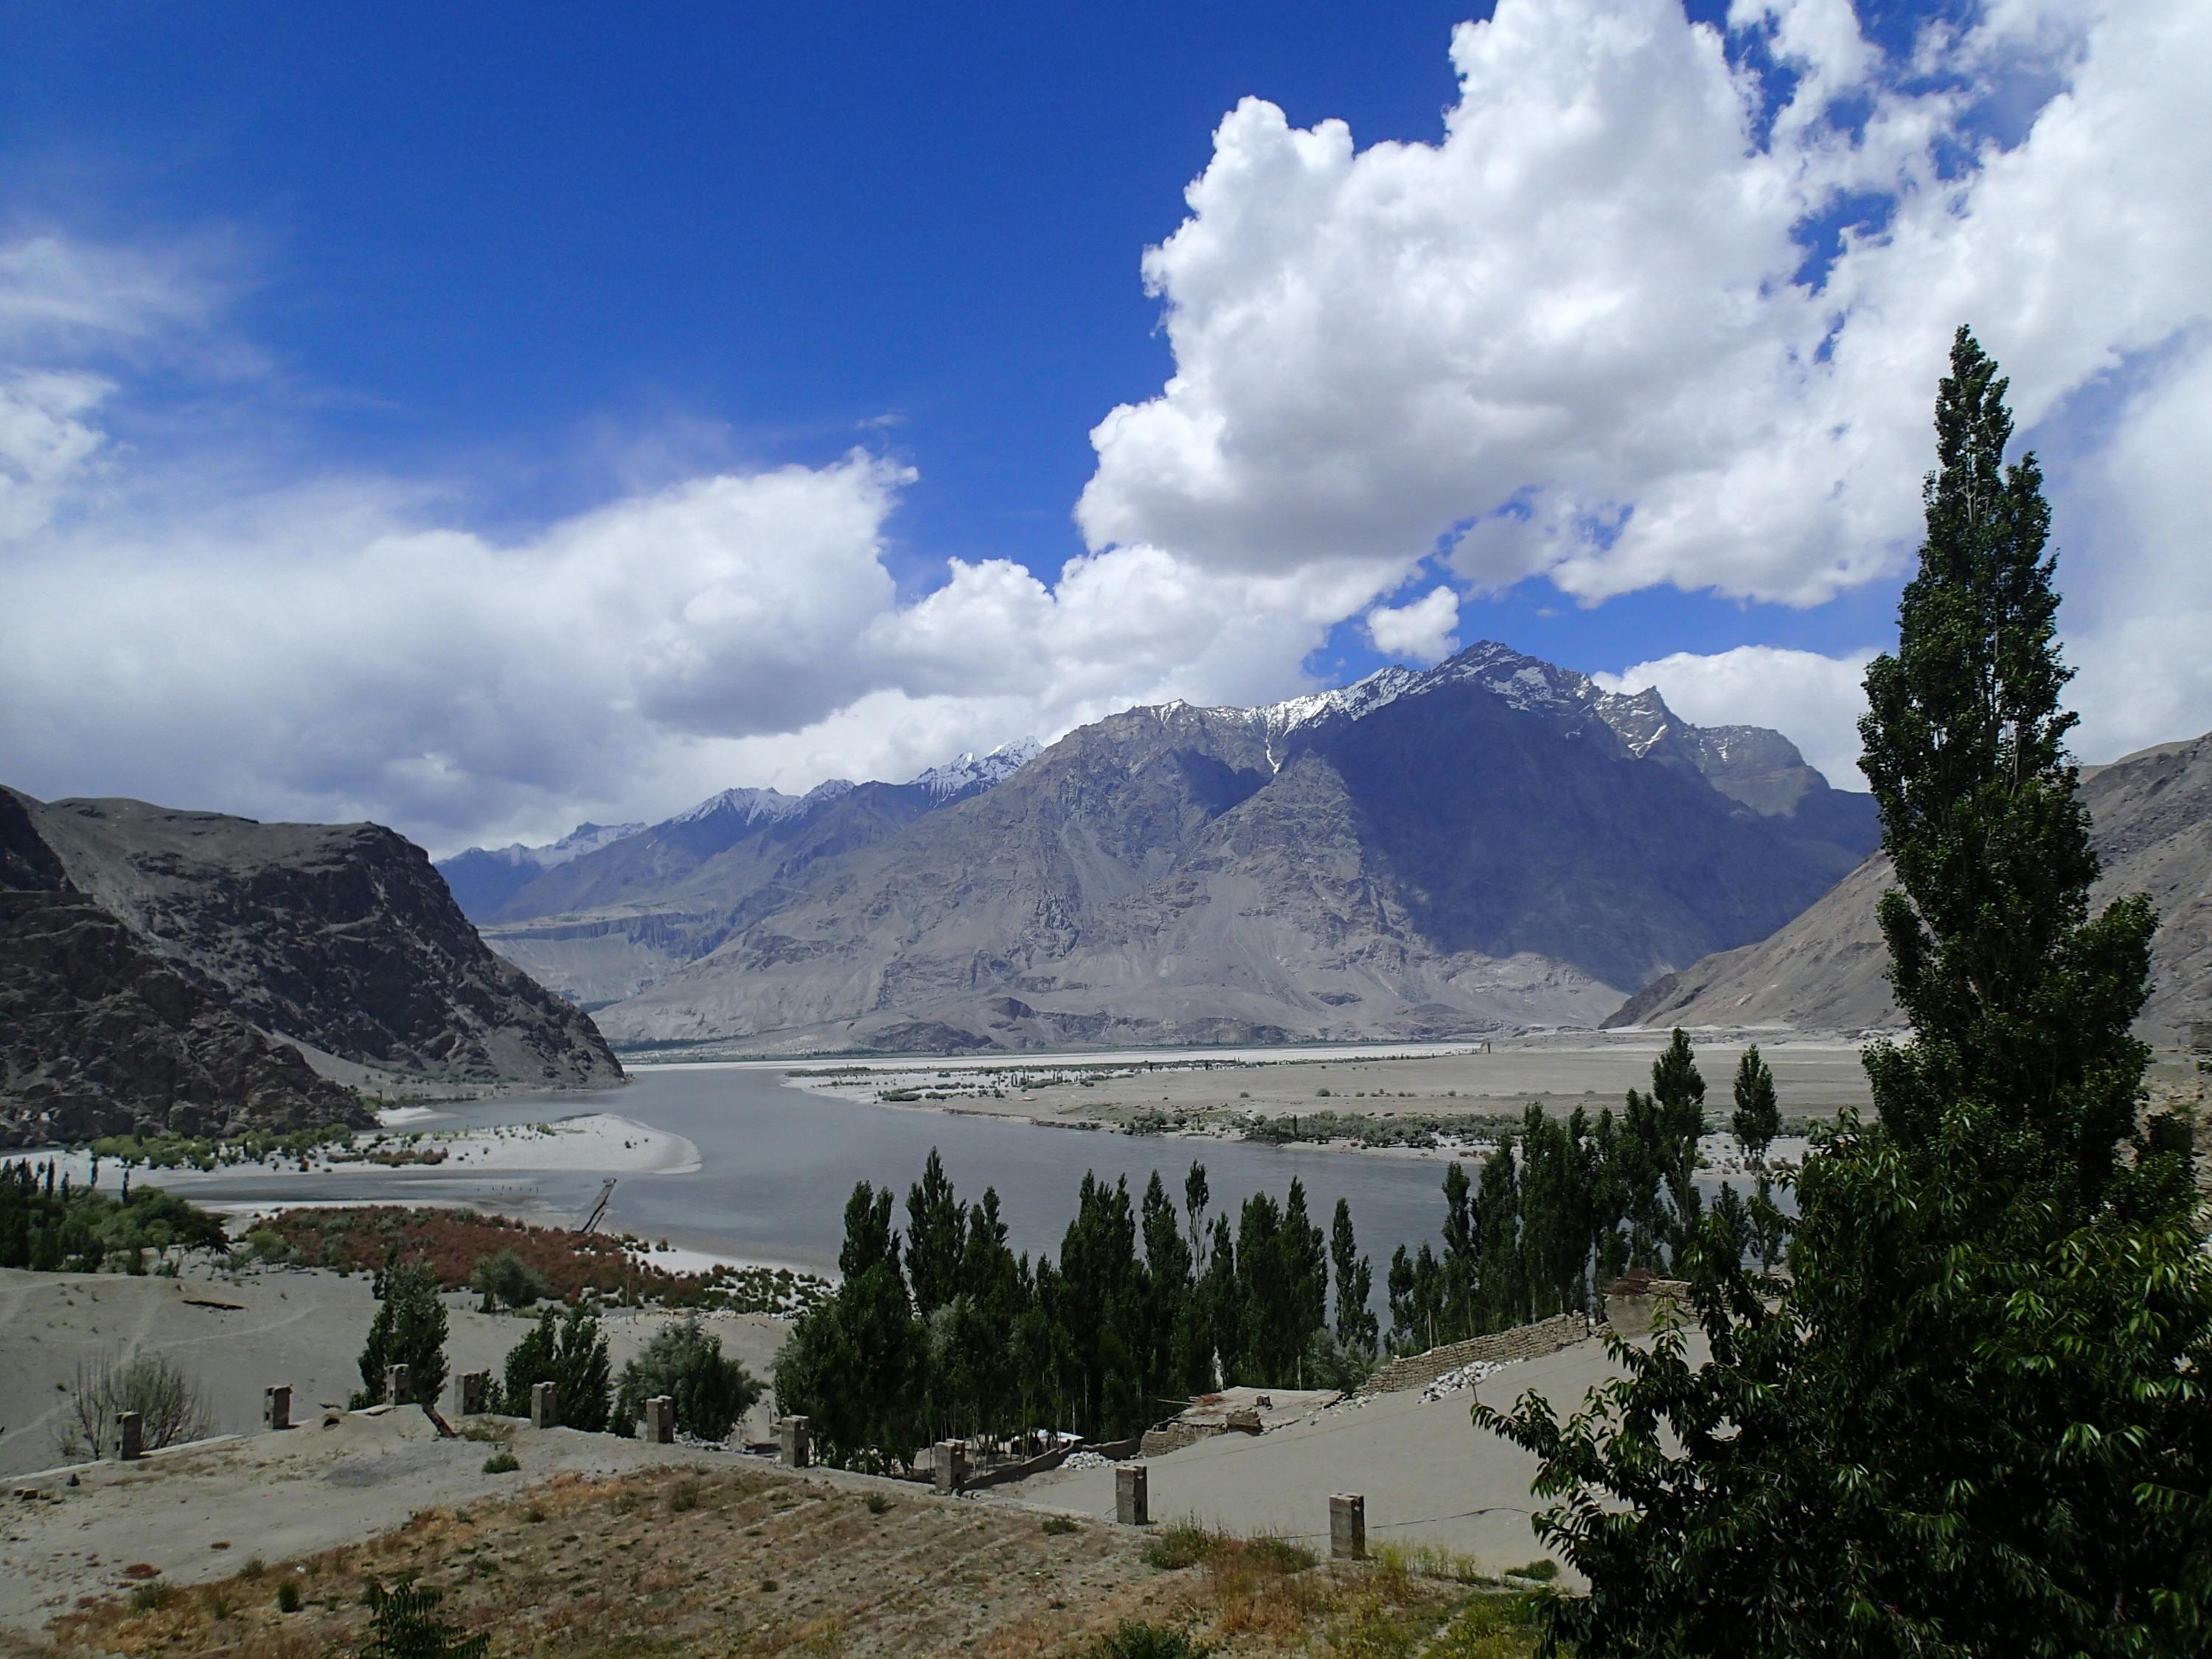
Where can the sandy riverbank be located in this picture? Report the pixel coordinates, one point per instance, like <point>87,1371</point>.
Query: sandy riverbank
<point>1208,1095</point>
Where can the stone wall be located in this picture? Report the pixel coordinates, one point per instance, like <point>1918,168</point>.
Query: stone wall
<point>1522,1342</point>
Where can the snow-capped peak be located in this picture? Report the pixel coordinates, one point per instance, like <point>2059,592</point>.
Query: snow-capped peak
<point>583,838</point>
<point>972,771</point>
<point>746,805</point>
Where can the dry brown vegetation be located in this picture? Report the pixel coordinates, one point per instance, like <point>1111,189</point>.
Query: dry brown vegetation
<point>746,1561</point>
<point>450,1243</point>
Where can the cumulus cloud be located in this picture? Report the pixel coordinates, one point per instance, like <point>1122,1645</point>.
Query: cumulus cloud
<point>1624,323</point>
<point>1421,630</point>
<point>1582,336</point>
<point>1815,701</point>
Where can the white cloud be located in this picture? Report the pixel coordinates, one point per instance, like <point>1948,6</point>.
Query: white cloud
<point>1815,701</point>
<point>47,443</point>
<point>1570,337</point>
<point>1421,631</point>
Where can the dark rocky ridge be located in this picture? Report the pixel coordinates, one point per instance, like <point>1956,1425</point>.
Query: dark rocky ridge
<point>99,1035</point>
<point>1496,841</point>
<point>341,938</point>
<point>1827,970</point>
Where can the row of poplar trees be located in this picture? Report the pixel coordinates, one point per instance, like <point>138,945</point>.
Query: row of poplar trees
<point>948,1332</point>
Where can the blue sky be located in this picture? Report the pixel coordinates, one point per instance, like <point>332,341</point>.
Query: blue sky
<point>297,284</point>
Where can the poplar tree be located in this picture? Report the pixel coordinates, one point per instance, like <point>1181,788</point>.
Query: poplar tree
<point>1355,1285</point>
<point>1758,1116</point>
<point>1974,1419</point>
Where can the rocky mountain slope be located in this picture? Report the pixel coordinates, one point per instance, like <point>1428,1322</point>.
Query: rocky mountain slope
<point>339,939</point>
<point>2152,813</point>
<point>98,1035</point>
<point>1494,841</point>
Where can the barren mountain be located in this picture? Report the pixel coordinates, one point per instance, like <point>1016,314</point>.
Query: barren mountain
<point>2152,814</point>
<point>98,1035</point>
<point>1496,841</point>
<point>340,939</point>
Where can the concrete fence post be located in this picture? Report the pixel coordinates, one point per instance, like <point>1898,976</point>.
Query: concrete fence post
<point>949,1465</point>
<point>660,1420</point>
<point>793,1448</point>
<point>472,1393</point>
<point>398,1385</point>
<point>1132,1505</point>
<point>277,1407</point>
<point>1347,1526</point>
<point>544,1409</point>
<point>130,1436</point>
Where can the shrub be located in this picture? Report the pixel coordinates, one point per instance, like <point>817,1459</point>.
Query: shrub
<point>684,1497</point>
<point>501,1463</point>
<point>685,1361</point>
<point>878,1503</point>
<point>404,1624</point>
<point>254,1567</point>
<point>287,1596</point>
<point>1540,1572</point>
<point>1182,1544</point>
<point>1059,1526</point>
<point>171,1407</point>
<point>504,1279</point>
<point>571,1354</point>
<point>1136,1638</point>
<point>152,1596</point>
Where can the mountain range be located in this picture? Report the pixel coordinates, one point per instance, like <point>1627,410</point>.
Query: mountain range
<point>1493,841</point>
<point>2151,819</point>
<point>162,968</point>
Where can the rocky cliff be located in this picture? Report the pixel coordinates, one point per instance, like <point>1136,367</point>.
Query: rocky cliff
<point>339,939</point>
<point>99,1035</point>
<point>1826,970</point>
<point>1496,841</point>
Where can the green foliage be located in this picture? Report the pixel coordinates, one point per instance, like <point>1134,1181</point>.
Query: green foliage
<point>684,1361</point>
<point>1973,1419</point>
<point>1758,1116</point>
<point>152,1595</point>
<point>48,1225</point>
<point>1182,1544</point>
<point>1356,1330</point>
<point>1059,1526</point>
<point>287,1596</point>
<point>569,1351</point>
<point>1138,1639</point>
<point>502,1464</point>
<point>504,1280</point>
<point>404,1624</point>
<point>409,1329</point>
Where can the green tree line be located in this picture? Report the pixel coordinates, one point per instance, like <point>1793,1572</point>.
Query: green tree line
<point>50,1226</point>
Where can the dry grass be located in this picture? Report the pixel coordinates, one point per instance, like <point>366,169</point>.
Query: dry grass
<point>741,1563</point>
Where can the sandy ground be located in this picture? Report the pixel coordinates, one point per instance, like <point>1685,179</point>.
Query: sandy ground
<point>238,1334</point>
<point>1429,1475</point>
<point>1812,1076</point>
<point>198,1512</point>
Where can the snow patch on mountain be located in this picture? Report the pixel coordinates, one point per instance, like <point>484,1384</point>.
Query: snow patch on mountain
<point>583,838</point>
<point>970,771</point>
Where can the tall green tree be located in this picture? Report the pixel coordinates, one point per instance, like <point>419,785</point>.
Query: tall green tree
<point>1758,1116</point>
<point>409,1329</point>
<point>1974,1419</point>
<point>571,1354</point>
<point>1355,1284</point>
<point>936,1232</point>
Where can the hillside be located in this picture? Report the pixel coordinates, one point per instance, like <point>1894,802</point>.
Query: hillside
<point>1494,841</point>
<point>163,965</point>
<point>2152,813</point>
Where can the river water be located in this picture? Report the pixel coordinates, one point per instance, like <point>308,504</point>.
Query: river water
<point>777,1164</point>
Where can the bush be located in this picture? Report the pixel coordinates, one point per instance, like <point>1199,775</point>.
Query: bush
<point>879,1504</point>
<point>152,1597</point>
<point>1059,1526</point>
<point>685,1361</point>
<point>684,1497</point>
<point>1136,1638</point>
<point>571,1354</point>
<point>410,1330</point>
<point>504,1280</point>
<point>404,1624</point>
<point>1182,1544</point>
<point>287,1596</point>
<point>171,1407</point>
<point>1540,1572</point>
<point>501,1463</point>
